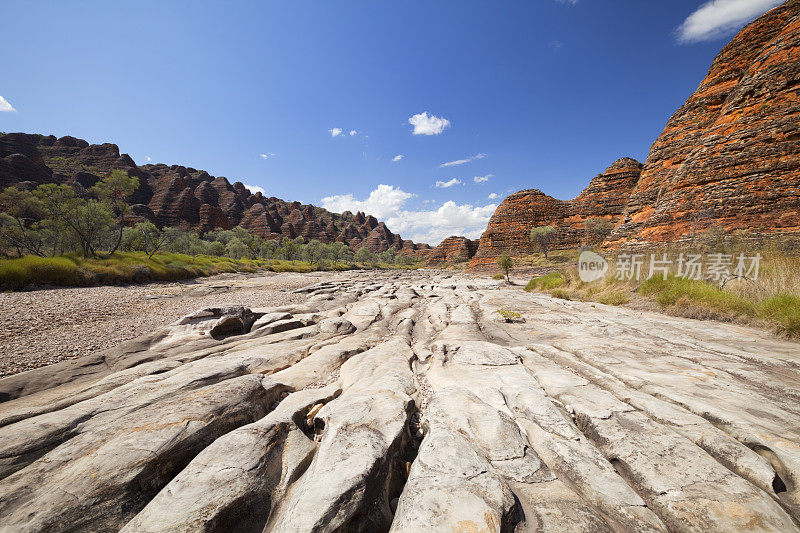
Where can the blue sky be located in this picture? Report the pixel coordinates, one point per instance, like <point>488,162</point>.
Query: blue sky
<point>530,94</point>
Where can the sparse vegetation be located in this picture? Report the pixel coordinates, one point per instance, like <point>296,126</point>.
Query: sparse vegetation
<point>506,264</point>
<point>508,315</point>
<point>56,235</point>
<point>597,229</point>
<point>773,300</point>
<point>544,236</point>
<point>547,282</point>
<point>499,276</point>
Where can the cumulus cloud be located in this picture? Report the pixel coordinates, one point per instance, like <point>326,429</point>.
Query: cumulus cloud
<point>718,18</point>
<point>482,179</point>
<point>494,196</point>
<point>382,202</point>
<point>353,132</point>
<point>268,155</point>
<point>5,106</point>
<point>462,161</point>
<point>335,132</point>
<point>397,158</point>
<point>449,183</point>
<point>425,124</point>
<point>427,225</point>
<point>436,225</point>
<point>255,188</point>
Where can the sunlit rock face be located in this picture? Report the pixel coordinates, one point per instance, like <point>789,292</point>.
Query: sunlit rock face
<point>731,155</point>
<point>728,158</point>
<point>509,228</point>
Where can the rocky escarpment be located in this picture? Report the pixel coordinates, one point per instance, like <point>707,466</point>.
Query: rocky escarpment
<point>729,159</point>
<point>730,156</point>
<point>186,197</point>
<point>510,225</point>
<point>405,403</point>
<point>452,250</point>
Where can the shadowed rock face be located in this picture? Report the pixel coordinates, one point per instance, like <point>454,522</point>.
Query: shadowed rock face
<point>403,402</point>
<point>186,197</point>
<point>509,228</point>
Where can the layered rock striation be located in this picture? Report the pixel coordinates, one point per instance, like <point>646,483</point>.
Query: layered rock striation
<point>729,158</point>
<point>510,225</point>
<point>186,197</point>
<point>452,250</point>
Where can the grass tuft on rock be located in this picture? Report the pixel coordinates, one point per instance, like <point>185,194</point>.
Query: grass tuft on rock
<point>549,281</point>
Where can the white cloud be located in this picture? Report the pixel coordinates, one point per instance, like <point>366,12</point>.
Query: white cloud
<point>494,196</point>
<point>449,183</point>
<point>5,106</point>
<point>353,132</point>
<point>335,132</point>
<point>397,158</point>
<point>255,188</point>
<point>267,155</point>
<point>432,226</point>
<point>717,18</point>
<point>482,179</point>
<point>462,161</point>
<point>450,219</point>
<point>382,202</point>
<point>148,158</point>
<point>425,124</point>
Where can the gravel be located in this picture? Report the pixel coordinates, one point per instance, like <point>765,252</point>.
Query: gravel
<point>42,327</point>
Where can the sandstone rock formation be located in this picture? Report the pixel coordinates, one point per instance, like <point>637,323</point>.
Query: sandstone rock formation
<point>403,402</point>
<point>728,158</point>
<point>509,228</point>
<point>186,197</point>
<point>452,250</point>
<point>731,155</point>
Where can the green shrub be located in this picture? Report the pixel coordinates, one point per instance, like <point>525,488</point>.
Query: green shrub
<point>499,276</point>
<point>668,291</point>
<point>547,282</point>
<point>784,310</point>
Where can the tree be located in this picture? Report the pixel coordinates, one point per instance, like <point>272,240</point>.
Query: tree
<point>597,229</point>
<point>114,191</point>
<point>544,237</point>
<point>505,263</point>
<point>95,221</point>
<point>20,221</point>
<point>365,256</point>
<point>151,239</point>
<point>237,249</point>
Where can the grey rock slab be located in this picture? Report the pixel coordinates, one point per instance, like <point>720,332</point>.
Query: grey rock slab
<point>98,480</point>
<point>233,483</point>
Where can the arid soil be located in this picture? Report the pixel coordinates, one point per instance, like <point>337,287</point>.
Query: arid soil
<point>43,327</point>
<point>403,401</point>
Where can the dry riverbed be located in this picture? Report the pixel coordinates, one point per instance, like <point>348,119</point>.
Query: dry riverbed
<point>42,327</point>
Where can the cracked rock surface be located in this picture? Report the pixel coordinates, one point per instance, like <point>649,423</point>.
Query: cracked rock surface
<point>402,401</point>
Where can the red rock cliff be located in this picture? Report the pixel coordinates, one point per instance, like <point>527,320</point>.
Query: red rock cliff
<point>509,228</point>
<point>731,155</point>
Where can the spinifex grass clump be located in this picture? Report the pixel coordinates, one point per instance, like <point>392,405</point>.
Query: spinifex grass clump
<point>549,281</point>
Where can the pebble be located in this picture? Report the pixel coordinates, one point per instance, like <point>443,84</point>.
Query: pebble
<point>46,326</point>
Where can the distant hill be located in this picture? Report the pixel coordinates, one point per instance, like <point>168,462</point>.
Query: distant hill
<point>186,197</point>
